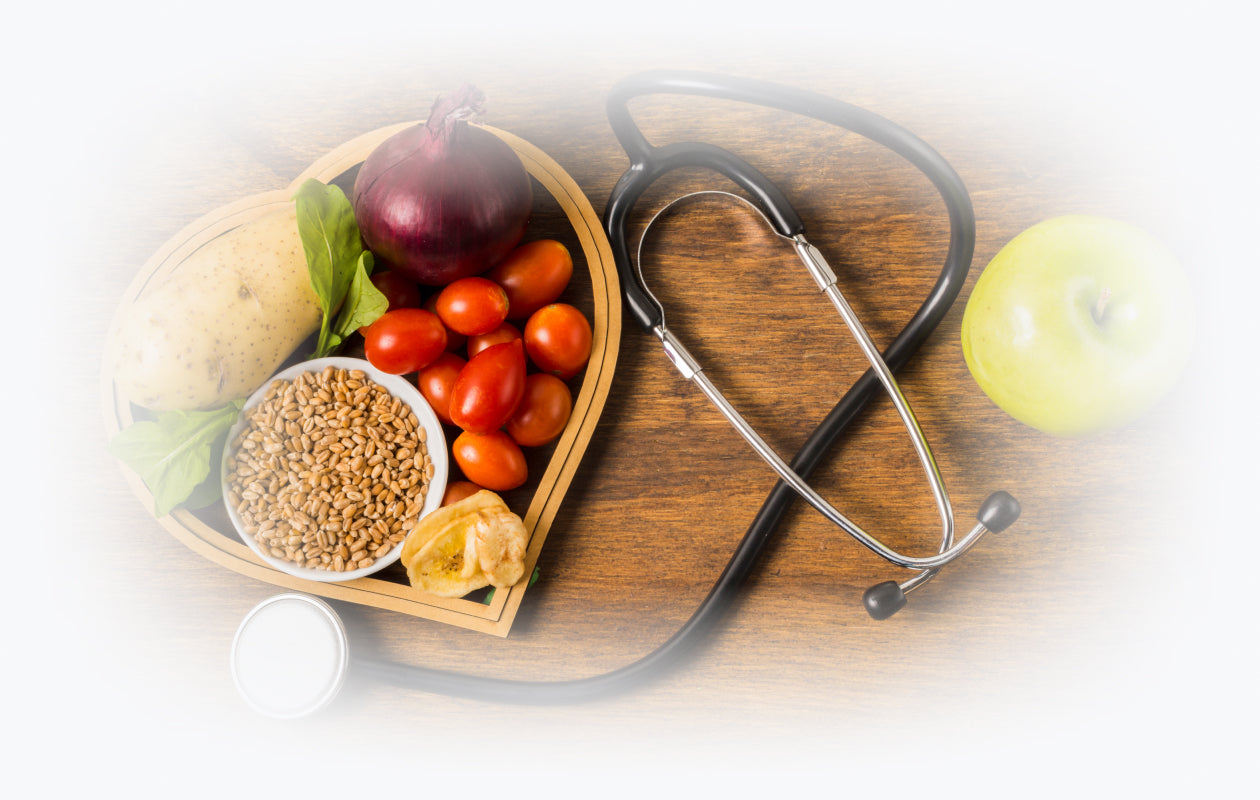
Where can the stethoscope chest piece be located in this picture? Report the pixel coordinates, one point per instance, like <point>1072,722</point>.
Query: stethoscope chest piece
<point>290,656</point>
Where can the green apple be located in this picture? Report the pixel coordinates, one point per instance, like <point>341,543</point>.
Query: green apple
<point>1079,324</point>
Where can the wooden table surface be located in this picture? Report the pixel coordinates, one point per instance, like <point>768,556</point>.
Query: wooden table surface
<point>1072,638</point>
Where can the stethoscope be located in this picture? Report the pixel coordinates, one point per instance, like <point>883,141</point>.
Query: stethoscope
<point>648,163</point>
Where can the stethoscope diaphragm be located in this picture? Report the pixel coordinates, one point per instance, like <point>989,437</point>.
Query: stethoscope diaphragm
<point>290,656</point>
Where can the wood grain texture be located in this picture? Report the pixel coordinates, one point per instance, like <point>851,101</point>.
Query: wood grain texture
<point>1047,617</point>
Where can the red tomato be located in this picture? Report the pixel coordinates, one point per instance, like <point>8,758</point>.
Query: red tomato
<point>504,333</point>
<point>454,341</point>
<point>543,412</point>
<point>472,306</point>
<point>436,382</point>
<point>404,340</point>
<point>491,460</point>
<point>533,275</point>
<point>558,340</point>
<point>459,490</point>
<point>489,388</point>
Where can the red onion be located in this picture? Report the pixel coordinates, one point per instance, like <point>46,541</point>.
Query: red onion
<point>443,200</point>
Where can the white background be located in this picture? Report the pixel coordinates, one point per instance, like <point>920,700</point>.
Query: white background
<point>79,81</point>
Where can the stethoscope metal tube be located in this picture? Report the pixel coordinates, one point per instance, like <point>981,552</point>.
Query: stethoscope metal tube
<point>825,277</point>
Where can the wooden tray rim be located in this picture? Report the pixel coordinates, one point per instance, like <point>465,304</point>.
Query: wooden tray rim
<point>497,616</point>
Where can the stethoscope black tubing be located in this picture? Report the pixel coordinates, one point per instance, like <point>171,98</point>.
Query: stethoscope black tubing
<point>816,446</point>
<point>648,163</point>
<point>643,173</point>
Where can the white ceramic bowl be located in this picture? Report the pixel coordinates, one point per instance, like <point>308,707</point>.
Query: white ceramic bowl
<point>435,443</point>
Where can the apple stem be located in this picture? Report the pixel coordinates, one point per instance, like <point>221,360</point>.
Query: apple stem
<point>1100,308</point>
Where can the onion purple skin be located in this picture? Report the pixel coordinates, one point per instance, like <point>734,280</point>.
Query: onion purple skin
<point>440,207</point>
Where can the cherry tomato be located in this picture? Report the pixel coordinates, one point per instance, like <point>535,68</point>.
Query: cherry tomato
<point>454,341</point>
<point>558,340</point>
<point>490,459</point>
<point>472,306</point>
<point>543,412</point>
<point>533,275</point>
<point>489,388</point>
<point>459,490</point>
<point>436,382</point>
<point>404,340</point>
<point>504,333</point>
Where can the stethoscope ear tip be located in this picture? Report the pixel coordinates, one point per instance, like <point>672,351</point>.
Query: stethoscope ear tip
<point>998,512</point>
<point>884,599</point>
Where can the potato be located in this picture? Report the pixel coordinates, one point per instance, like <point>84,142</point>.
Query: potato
<point>222,322</point>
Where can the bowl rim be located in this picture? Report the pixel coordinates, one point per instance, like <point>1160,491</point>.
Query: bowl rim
<point>396,385</point>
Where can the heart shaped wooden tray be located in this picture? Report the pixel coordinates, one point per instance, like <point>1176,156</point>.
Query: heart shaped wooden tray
<point>561,211</point>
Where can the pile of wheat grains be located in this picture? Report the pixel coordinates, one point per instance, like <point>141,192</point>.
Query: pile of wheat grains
<point>330,470</point>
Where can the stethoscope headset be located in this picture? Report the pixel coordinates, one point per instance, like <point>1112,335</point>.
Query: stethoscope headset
<point>648,163</point>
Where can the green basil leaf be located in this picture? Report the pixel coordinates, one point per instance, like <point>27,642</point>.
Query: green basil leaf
<point>330,239</point>
<point>172,453</point>
<point>364,302</point>
<point>208,492</point>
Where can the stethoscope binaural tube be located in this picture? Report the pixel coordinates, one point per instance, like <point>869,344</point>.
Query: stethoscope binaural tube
<point>648,163</point>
